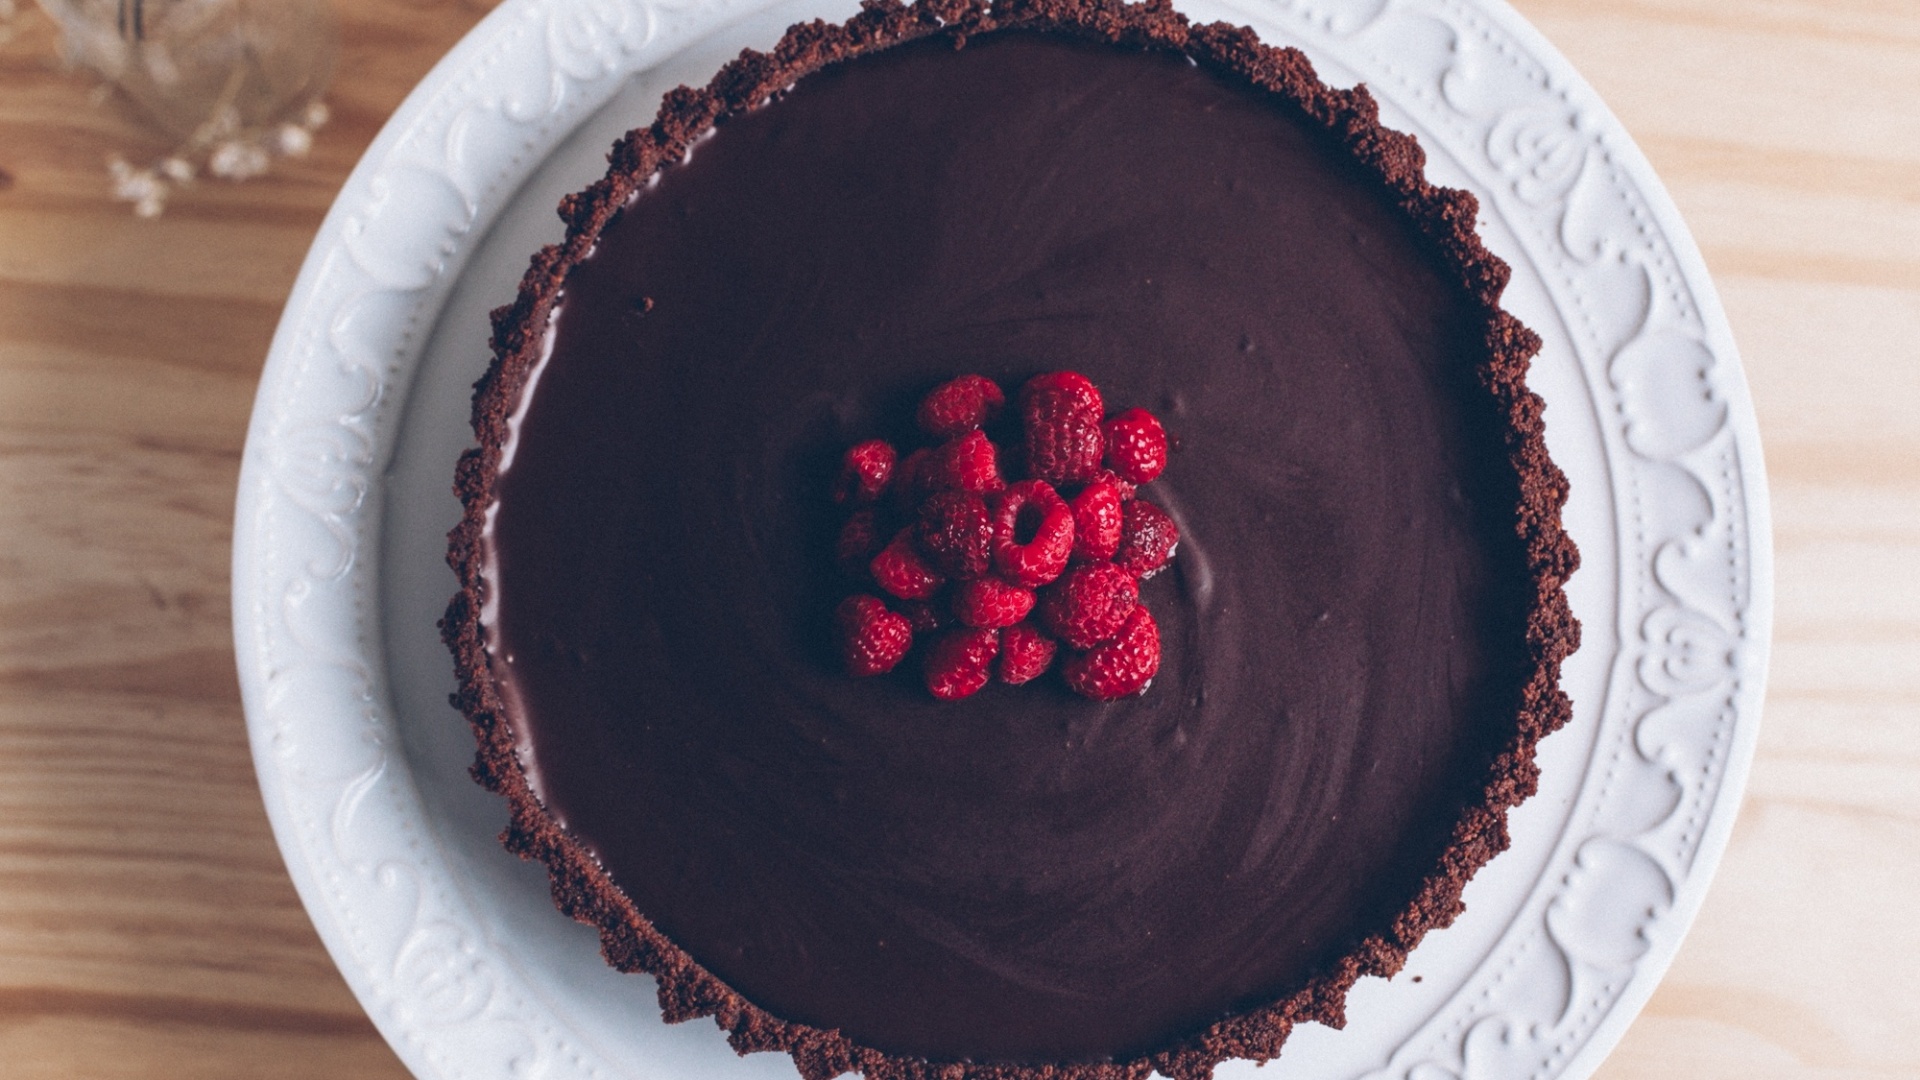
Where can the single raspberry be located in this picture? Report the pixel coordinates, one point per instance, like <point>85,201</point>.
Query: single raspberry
<point>860,540</point>
<point>969,463</point>
<point>966,404</point>
<point>1063,441</point>
<point>1089,604</point>
<point>991,603</point>
<point>1125,487</point>
<point>1148,538</point>
<point>1076,387</point>
<point>926,616</point>
<point>961,662</point>
<point>900,569</point>
<point>1136,445</point>
<point>1123,666</point>
<point>1033,531</point>
<point>956,532</point>
<point>872,639</point>
<point>1096,522</point>
<point>1025,653</point>
<point>864,471</point>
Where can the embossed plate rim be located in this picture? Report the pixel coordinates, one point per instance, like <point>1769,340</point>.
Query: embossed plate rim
<point>452,994</point>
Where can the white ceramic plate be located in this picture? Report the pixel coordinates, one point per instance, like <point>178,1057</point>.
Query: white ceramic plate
<point>345,497</point>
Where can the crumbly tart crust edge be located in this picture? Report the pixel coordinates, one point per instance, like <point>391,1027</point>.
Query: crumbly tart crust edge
<point>1445,217</point>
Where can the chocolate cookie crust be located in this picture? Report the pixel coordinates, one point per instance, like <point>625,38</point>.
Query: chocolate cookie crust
<point>1444,218</point>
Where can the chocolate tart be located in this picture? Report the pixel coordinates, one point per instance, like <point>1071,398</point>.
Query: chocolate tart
<point>1362,633</point>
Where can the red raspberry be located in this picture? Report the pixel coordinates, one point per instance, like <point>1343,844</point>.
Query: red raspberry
<point>991,603</point>
<point>872,639</point>
<point>969,463</point>
<point>1025,653</point>
<point>1075,386</point>
<point>859,542</point>
<point>900,569</point>
<point>1033,531</point>
<point>961,662</point>
<point>1096,522</point>
<point>1089,604</point>
<point>956,532</point>
<point>1121,484</point>
<point>965,404</point>
<point>1148,538</point>
<point>1060,414</point>
<point>1123,666</point>
<point>864,471</point>
<point>1136,445</point>
<point>925,615</point>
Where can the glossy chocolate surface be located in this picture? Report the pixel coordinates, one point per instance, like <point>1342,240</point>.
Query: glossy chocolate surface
<point>1025,876</point>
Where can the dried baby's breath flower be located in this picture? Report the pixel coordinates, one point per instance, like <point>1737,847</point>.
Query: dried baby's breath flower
<point>238,160</point>
<point>294,140</point>
<point>141,187</point>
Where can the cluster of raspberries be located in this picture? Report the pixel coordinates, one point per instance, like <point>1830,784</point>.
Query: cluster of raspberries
<point>998,569</point>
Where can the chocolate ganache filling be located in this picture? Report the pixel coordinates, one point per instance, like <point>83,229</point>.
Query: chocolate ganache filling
<point>1024,876</point>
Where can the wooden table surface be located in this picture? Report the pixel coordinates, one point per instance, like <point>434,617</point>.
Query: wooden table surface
<point>148,928</point>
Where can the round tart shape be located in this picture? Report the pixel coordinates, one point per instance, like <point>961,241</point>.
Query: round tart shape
<point>1361,635</point>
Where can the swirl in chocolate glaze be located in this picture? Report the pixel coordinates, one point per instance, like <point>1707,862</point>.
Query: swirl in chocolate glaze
<point>852,871</point>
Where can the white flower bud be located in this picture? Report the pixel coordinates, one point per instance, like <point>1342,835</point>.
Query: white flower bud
<point>295,140</point>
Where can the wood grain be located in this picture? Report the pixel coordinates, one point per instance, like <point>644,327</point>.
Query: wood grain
<point>147,927</point>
